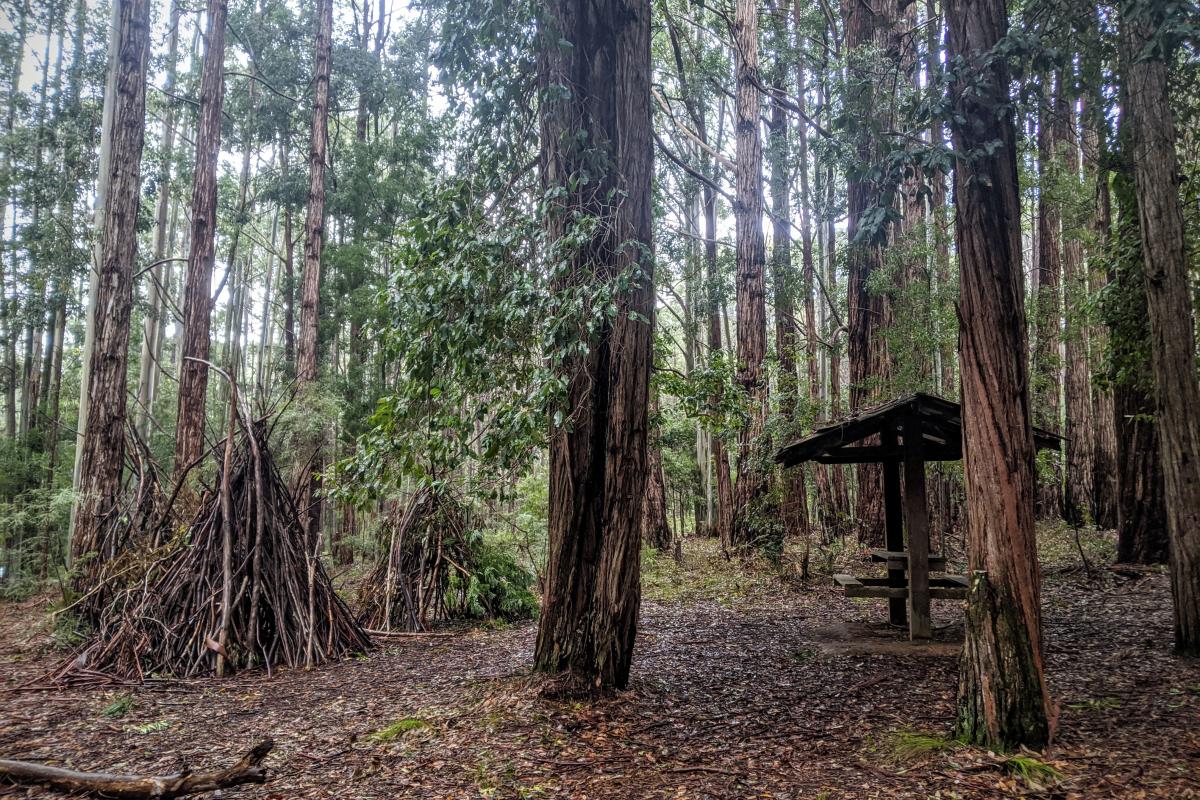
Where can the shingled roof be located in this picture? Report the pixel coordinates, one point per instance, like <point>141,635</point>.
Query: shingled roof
<point>941,434</point>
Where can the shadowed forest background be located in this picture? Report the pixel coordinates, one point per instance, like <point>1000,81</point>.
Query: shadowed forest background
<point>359,357</point>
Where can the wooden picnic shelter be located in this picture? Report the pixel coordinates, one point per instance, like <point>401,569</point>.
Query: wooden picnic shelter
<point>901,435</point>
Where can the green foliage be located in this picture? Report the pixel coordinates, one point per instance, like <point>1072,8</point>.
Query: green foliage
<point>397,729</point>
<point>913,746</point>
<point>121,705</point>
<point>497,586</point>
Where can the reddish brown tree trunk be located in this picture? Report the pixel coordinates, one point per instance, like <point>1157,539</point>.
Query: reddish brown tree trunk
<point>1169,301</point>
<point>868,25</point>
<point>104,442</point>
<point>656,531</point>
<point>1080,428</point>
<point>750,283</point>
<point>598,460</point>
<point>1104,449</point>
<point>1002,699</point>
<point>720,456</point>
<point>1047,364</point>
<point>314,225</point>
<point>197,305</point>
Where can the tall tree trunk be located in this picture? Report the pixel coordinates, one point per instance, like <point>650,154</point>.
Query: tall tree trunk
<point>314,239</point>
<point>868,32</point>
<point>750,283</point>
<point>1094,147</point>
<point>8,307</point>
<point>289,269</point>
<point>598,461</point>
<point>1104,451</point>
<point>1169,301</point>
<point>1047,364</point>
<point>314,225</point>
<point>656,532</point>
<point>719,455</point>
<point>104,175</point>
<point>197,303</point>
<point>103,444</point>
<point>1002,698</point>
<point>148,379</point>
<point>1080,427</point>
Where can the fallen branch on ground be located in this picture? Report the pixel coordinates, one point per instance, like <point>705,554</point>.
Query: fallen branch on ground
<point>100,784</point>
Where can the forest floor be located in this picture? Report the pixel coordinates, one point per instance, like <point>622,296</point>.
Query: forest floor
<point>747,682</point>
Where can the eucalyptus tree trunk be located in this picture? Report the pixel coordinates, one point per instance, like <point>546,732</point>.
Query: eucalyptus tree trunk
<point>750,283</point>
<point>288,266</point>
<point>1002,697</point>
<point>1169,301</point>
<point>150,367</point>
<point>598,461</point>
<point>869,24</point>
<point>103,444</point>
<point>197,304</point>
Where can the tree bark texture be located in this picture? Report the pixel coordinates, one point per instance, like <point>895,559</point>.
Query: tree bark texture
<point>314,225</point>
<point>1169,301</point>
<point>197,305</point>
<point>103,444</point>
<point>1002,697</point>
<point>749,282</point>
<point>598,456</point>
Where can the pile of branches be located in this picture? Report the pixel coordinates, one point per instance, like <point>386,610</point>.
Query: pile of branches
<point>236,588</point>
<point>406,590</point>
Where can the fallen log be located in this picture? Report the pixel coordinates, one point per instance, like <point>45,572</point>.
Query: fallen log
<point>135,787</point>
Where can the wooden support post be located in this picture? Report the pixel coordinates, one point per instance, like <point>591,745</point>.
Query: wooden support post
<point>894,528</point>
<point>916,520</point>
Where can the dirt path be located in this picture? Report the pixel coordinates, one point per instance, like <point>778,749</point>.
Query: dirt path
<point>741,689</point>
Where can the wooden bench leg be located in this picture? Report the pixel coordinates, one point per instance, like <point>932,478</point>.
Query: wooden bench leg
<point>916,520</point>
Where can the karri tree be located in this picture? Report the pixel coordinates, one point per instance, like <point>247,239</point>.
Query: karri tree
<point>596,167</point>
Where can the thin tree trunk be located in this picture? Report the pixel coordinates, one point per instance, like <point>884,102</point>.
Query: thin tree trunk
<point>7,307</point>
<point>598,461</point>
<point>792,493</point>
<point>150,369</point>
<point>1169,301</point>
<point>314,226</point>
<point>1047,363</point>
<point>1002,698</point>
<point>197,304</point>
<point>314,238</point>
